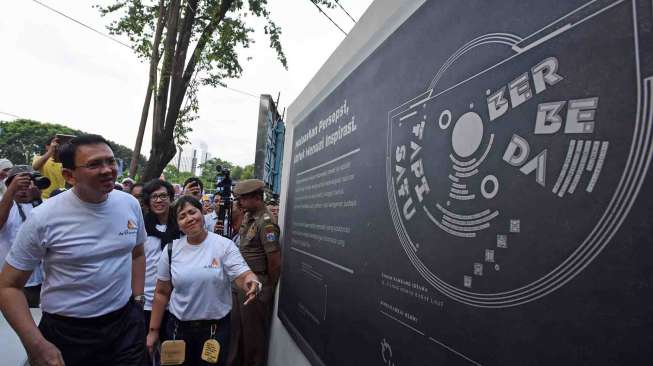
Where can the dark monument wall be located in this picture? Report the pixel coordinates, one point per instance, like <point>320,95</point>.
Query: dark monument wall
<point>478,191</point>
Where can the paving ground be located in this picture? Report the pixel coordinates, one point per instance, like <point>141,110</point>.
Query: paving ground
<point>13,352</point>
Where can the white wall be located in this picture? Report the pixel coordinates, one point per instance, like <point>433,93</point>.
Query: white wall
<point>378,22</point>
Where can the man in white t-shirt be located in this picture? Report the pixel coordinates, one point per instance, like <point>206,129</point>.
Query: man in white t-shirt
<point>90,239</point>
<point>15,206</point>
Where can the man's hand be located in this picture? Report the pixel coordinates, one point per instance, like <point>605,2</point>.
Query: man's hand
<point>192,189</point>
<point>218,228</point>
<point>54,145</point>
<point>19,183</point>
<point>44,353</point>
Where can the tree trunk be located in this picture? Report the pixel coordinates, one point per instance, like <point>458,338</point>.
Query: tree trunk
<point>151,86</point>
<point>168,101</point>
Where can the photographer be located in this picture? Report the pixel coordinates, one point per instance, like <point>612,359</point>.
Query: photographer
<point>49,166</point>
<point>5,165</point>
<point>15,207</point>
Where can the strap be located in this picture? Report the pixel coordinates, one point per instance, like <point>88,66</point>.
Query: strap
<point>170,261</point>
<point>21,212</point>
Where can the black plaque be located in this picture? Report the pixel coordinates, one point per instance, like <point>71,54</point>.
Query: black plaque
<point>477,192</point>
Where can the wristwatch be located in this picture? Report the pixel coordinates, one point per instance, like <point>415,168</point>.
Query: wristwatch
<point>140,300</point>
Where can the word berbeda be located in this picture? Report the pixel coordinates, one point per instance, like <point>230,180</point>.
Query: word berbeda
<point>548,120</point>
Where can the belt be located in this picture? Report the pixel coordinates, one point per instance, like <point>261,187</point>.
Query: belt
<point>97,320</point>
<point>202,323</point>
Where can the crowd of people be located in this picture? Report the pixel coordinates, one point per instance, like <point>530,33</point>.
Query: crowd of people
<point>136,273</point>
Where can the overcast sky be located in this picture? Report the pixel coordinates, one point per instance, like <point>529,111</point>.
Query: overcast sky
<point>54,70</point>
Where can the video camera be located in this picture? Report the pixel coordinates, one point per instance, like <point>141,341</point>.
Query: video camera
<point>223,189</point>
<point>223,181</point>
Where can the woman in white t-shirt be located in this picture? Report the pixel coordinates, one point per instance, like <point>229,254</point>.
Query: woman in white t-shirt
<point>161,230</point>
<point>196,285</point>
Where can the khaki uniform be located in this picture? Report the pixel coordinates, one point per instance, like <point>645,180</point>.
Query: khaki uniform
<point>250,325</point>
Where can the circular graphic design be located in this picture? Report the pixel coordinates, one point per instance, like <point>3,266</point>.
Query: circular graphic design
<point>510,174</point>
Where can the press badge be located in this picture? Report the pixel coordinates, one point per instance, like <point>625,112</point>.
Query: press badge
<point>173,352</point>
<point>211,351</point>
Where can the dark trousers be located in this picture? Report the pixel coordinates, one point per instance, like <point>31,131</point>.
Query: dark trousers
<point>116,338</point>
<point>195,333</point>
<point>250,331</point>
<point>33,296</point>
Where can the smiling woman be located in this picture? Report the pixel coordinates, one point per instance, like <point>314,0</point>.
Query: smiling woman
<point>200,267</point>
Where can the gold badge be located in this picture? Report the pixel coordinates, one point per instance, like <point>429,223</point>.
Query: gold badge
<point>211,351</point>
<point>173,352</point>
<point>251,232</point>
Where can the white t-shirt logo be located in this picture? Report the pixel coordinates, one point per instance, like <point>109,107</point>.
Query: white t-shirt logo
<point>214,264</point>
<point>132,229</point>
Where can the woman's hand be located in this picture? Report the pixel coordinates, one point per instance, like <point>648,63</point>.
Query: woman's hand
<point>152,340</point>
<point>253,289</point>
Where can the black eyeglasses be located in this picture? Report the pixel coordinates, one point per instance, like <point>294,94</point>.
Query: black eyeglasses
<point>159,197</point>
<point>97,164</point>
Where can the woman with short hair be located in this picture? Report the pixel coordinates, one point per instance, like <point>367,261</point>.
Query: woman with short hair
<point>194,278</point>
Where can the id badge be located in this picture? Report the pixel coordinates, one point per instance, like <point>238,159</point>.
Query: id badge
<point>211,351</point>
<point>173,352</point>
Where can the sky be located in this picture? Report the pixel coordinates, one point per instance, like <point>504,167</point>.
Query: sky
<point>54,70</point>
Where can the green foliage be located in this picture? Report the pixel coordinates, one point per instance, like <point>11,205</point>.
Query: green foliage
<point>173,175</point>
<point>237,172</point>
<point>22,139</point>
<point>248,172</point>
<point>199,45</point>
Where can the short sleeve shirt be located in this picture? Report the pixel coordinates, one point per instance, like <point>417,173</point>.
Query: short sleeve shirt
<point>8,234</point>
<point>152,250</point>
<point>52,170</point>
<point>201,277</point>
<point>259,235</point>
<point>86,249</point>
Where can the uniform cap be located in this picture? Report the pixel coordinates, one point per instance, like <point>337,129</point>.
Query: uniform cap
<point>5,163</point>
<point>248,186</point>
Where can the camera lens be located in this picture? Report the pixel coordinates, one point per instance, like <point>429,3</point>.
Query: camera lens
<point>41,182</point>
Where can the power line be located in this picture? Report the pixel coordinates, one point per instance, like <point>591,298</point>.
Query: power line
<point>120,42</point>
<point>11,115</point>
<point>82,24</point>
<point>343,9</point>
<point>325,14</point>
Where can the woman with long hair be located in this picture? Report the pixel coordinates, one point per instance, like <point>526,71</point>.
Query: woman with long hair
<point>157,195</point>
<point>194,279</point>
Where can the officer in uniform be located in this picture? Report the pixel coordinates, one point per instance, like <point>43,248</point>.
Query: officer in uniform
<point>259,245</point>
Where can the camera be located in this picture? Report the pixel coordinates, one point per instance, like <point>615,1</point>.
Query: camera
<point>40,181</point>
<point>223,181</point>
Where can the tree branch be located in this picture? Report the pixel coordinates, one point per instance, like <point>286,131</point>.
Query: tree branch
<point>168,55</point>
<point>207,33</point>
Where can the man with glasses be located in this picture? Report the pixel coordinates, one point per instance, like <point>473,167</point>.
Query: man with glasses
<point>90,239</point>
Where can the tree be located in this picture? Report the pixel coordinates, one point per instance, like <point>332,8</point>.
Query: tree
<point>248,172</point>
<point>162,32</point>
<point>173,174</point>
<point>22,139</point>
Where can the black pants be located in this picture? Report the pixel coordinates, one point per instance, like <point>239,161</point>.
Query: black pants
<point>116,338</point>
<point>195,333</point>
<point>33,296</point>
